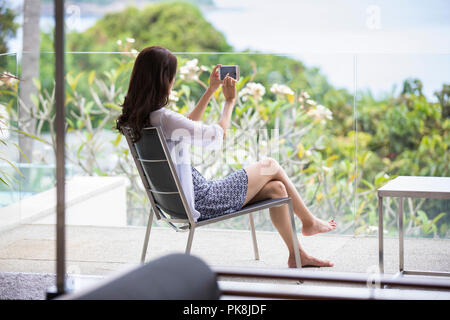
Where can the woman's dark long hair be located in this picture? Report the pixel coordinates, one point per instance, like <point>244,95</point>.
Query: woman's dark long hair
<point>152,75</point>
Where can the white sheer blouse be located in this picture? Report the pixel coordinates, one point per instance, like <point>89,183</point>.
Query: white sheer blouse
<point>180,133</point>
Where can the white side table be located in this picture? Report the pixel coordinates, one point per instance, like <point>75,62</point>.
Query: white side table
<point>409,187</point>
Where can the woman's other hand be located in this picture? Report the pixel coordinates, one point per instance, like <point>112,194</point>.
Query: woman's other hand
<point>229,89</point>
<point>214,79</point>
<point>229,92</point>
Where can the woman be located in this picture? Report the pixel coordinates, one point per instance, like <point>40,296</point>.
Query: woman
<point>151,81</point>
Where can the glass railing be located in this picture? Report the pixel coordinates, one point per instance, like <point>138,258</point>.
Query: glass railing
<point>10,189</point>
<point>283,112</point>
<point>402,130</point>
<point>337,144</point>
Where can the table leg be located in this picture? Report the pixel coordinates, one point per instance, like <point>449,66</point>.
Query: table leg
<point>380,234</point>
<point>400,235</point>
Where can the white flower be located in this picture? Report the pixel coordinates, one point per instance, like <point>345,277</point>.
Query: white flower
<point>303,96</point>
<point>119,42</point>
<point>281,89</point>
<point>130,40</point>
<point>190,70</point>
<point>325,112</point>
<point>320,112</point>
<point>134,52</point>
<point>308,153</point>
<point>203,68</point>
<point>311,102</point>
<point>256,90</point>
<point>173,96</point>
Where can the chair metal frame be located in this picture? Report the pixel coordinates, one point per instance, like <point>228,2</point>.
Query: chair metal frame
<point>190,224</point>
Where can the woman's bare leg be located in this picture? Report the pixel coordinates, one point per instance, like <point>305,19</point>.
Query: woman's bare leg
<point>280,219</point>
<point>264,171</point>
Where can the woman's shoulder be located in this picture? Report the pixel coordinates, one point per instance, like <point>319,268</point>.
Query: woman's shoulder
<point>159,112</point>
<point>165,111</point>
<point>170,114</point>
<point>166,115</point>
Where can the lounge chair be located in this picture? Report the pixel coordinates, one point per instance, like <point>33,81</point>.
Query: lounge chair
<point>167,199</point>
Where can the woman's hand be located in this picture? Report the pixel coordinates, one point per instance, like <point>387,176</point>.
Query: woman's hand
<point>214,84</point>
<point>214,80</point>
<point>229,92</point>
<point>229,89</point>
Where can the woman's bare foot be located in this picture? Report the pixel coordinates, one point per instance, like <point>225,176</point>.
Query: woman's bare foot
<point>308,261</point>
<point>318,226</point>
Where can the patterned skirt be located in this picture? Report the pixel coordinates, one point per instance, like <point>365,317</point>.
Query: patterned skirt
<point>214,198</point>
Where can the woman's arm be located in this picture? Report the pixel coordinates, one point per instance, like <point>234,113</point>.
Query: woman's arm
<point>214,84</point>
<point>229,92</point>
<point>176,126</point>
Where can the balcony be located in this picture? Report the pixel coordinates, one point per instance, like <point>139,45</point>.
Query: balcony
<point>94,252</point>
<point>337,164</point>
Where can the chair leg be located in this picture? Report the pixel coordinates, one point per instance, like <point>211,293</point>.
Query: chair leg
<point>147,235</point>
<point>190,238</point>
<point>298,262</point>
<point>255,243</point>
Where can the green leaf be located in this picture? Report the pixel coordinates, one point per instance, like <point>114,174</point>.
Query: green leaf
<point>69,122</point>
<point>91,77</point>
<point>423,216</point>
<point>9,93</point>
<point>88,106</point>
<point>368,184</point>
<point>88,135</point>
<point>4,181</point>
<point>117,140</point>
<point>80,149</point>
<point>31,136</point>
<point>99,172</point>
<point>80,124</point>
<point>113,106</point>
<point>186,90</point>
<point>12,165</point>
<point>37,83</point>
<point>73,82</point>
<point>34,99</point>
<point>438,217</point>
<point>242,82</point>
<point>21,151</point>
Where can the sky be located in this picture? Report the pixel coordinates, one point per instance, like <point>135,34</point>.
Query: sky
<point>330,26</point>
<point>359,44</point>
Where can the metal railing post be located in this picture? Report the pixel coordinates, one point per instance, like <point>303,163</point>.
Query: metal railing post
<point>60,152</point>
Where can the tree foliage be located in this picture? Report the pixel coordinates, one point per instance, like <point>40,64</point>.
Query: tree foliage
<point>337,164</point>
<point>179,26</point>
<point>8,27</point>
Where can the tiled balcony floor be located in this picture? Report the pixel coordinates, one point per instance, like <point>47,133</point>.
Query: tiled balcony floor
<point>101,250</point>
<point>27,256</point>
